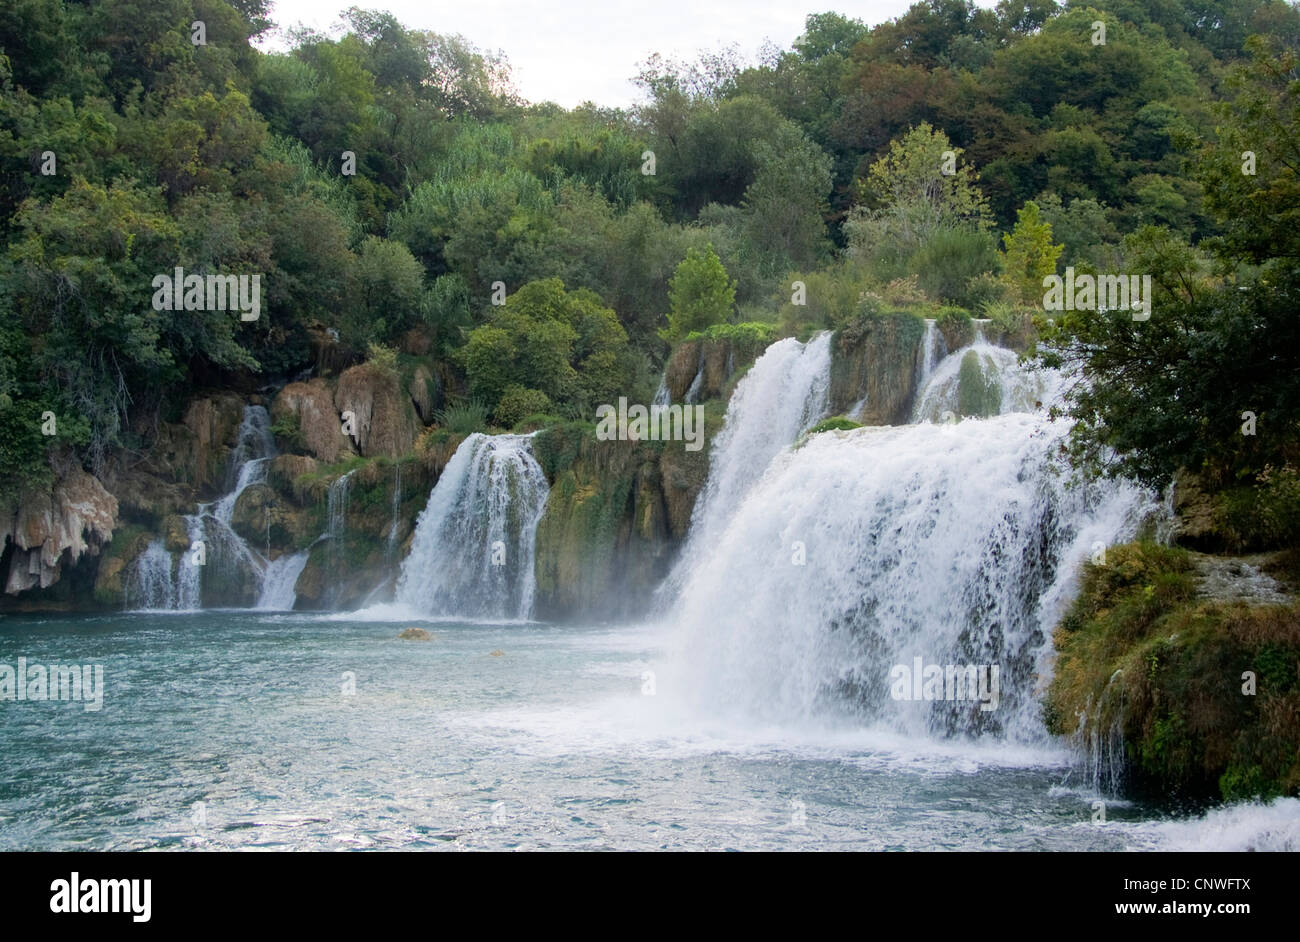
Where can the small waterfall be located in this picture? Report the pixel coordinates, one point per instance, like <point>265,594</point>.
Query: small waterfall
<point>151,585</point>
<point>189,573</point>
<point>336,514</point>
<point>782,395</point>
<point>929,350</point>
<point>281,577</point>
<point>177,585</point>
<point>473,548</point>
<point>662,396</point>
<point>336,521</point>
<point>390,549</point>
<point>981,380</point>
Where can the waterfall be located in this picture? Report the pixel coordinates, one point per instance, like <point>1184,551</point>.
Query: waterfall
<point>982,380</point>
<point>473,548</point>
<point>929,349</point>
<point>390,548</point>
<point>812,572</point>
<point>278,584</point>
<point>862,550</point>
<point>782,395</point>
<point>336,512</point>
<point>150,585</point>
<point>176,585</point>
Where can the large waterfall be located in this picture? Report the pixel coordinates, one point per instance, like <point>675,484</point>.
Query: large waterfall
<point>472,551</point>
<point>814,573</point>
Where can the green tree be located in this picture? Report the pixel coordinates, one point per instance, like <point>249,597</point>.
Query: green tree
<point>1030,255</point>
<point>700,294</point>
<point>564,344</point>
<point>909,195</point>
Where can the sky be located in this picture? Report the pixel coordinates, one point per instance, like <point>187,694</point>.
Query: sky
<point>570,51</point>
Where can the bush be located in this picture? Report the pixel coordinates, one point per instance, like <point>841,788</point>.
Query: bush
<point>951,260</point>
<point>382,359</point>
<point>1263,517</point>
<point>463,418</point>
<point>839,423</point>
<point>287,430</point>
<point>517,402</point>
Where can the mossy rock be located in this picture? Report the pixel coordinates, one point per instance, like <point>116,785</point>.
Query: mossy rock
<point>837,423</point>
<point>979,393</point>
<point>875,356</point>
<point>1147,667</point>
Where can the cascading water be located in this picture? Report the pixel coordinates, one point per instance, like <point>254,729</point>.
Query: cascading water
<point>981,380</point>
<point>782,395</point>
<point>390,548</point>
<point>818,569</point>
<point>473,548</point>
<point>152,584</point>
<point>929,349</point>
<point>175,585</point>
<point>863,550</point>
<point>278,584</point>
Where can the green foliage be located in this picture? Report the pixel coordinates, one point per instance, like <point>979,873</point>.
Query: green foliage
<point>950,261</point>
<point>463,418</point>
<point>907,198</point>
<point>1029,255</point>
<point>565,344</point>
<point>1263,516</point>
<point>837,423</point>
<point>700,294</point>
<point>1140,655</point>
<point>516,403</point>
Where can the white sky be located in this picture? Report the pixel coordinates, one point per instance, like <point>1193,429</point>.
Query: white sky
<point>570,51</point>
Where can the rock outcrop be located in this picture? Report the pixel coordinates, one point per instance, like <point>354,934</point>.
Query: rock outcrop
<point>384,417</point>
<point>48,530</point>
<point>311,406</point>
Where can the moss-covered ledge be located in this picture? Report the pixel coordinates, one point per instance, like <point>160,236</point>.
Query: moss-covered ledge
<point>1193,698</point>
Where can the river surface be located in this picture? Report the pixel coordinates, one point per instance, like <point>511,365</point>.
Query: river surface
<point>239,730</point>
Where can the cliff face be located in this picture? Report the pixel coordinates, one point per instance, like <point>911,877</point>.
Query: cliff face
<point>877,357</point>
<point>616,514</point>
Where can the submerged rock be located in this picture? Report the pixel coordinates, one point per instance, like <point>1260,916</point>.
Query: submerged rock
<point>414,634</point>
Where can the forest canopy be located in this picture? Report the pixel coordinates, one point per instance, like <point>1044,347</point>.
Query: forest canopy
<point>385,181</point>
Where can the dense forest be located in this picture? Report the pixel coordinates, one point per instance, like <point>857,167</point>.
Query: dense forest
<point>386,182</point>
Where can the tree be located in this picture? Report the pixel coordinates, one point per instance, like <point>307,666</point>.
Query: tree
<point>700,294</point>
<point>1030,254</point>
<point>564,344</point>
<point>785,204</point>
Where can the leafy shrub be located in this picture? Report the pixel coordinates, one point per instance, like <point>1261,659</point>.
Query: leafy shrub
<point>951,260</point>
<point>463,418</point>
<point>517,402</point>
<point>839,423</point>
<point>382,359</point>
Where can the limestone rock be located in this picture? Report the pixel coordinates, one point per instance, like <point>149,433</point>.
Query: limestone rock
<point>319,426</point>
<point>385,419</point>
<point>51,528</point>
